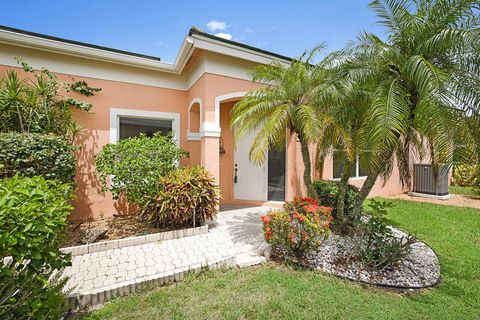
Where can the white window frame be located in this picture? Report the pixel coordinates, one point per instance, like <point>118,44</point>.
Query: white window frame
<point>117,113</point>
<point>357,167</point>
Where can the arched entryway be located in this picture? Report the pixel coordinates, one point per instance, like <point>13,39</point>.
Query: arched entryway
<point>241,180</point>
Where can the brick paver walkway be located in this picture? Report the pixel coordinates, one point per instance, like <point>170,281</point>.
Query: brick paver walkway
<point>235,240</point>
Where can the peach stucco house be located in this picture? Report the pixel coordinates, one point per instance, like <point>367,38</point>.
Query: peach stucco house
<point>191,97</point>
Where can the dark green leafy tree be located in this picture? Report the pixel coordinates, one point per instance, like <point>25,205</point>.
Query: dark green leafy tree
<point>133,167</point>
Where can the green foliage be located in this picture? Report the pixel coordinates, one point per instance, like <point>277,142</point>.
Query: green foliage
<point>185,196</point>
<point>32,154</point>
<point>326,192</point>
<point>23,295</point>
<point>39,103</point>
<point>422,83</point>
<point>464,175</point>
<point>300,226</point>
<point>33,218</point>
<point>379,248</point>
<point>136,165</point>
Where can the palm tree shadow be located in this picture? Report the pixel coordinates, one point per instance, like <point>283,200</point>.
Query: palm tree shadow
<point>246,230</point>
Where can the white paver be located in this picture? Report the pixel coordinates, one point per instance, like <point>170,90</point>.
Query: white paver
<point>235,239</point>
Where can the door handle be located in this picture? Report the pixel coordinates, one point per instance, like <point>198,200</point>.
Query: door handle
<point>235,177</point>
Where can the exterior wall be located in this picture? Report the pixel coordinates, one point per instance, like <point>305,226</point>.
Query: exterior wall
<point>391,187</point>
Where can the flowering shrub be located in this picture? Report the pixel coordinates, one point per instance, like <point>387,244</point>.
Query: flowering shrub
<point>300,226</point>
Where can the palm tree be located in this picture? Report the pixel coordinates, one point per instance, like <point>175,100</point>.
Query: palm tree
<point>426,79</point>
<point>287,103</point>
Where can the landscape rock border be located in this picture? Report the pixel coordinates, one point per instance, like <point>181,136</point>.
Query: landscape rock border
<point>420,269</point>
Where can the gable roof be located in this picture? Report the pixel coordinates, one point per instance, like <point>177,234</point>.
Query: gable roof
<point>198,31</point>
<point>196,39</point>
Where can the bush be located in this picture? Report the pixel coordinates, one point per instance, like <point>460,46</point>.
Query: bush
<point>32,154</point>
<point>326,192</point>
<point>379,248</point>
<point>136,165</point>
<point>186,196</point>
<point>300,226</point>
<point>33,218</point>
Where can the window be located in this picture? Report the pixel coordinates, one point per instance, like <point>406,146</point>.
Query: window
<point>357,171</point>
<point>125,123</point>
<point>132,127</point>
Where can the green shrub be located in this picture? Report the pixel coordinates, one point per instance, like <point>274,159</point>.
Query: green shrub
<point>300,226</point>
<point>136,165</point>
<point>32,154</point>
<point>326,192</point>
<point>379,248</point>
<point>33,218</point>
<point>185,196</point>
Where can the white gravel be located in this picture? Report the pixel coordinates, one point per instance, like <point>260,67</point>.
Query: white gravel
<point>419,269</point>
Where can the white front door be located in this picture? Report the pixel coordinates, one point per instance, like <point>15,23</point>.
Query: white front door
<point>251,180</point>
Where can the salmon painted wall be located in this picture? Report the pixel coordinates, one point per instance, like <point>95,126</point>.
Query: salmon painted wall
<point>92,203</point>
<point>227,158</point>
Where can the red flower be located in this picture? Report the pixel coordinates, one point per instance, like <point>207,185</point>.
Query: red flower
<point>266,219</point>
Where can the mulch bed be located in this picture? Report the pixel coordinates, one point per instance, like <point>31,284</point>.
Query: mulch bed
<point>118,227</point>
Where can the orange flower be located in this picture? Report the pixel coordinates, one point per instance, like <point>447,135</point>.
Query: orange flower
<point>266,219</point>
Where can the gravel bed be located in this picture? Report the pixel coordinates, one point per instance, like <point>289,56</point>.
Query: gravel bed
<point>419,269</point>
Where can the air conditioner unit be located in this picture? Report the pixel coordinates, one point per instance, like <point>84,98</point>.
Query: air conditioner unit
<point>428,184</point>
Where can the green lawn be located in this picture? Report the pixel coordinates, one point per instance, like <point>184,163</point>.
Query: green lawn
<point>283,293</point>
<point>467,191</point>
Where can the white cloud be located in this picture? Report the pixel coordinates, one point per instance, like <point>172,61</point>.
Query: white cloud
<point>227,36</point>
<point>162,44</point>
<point>248,30</point>
<point>215,25</point>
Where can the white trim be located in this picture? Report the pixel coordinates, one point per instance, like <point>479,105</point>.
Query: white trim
<point>199,101</point>
<point>30,41</point>
<point>221,98</point>
<point>116,113</point>
<point>194,136</point>
<point>210,129</point>
<point>229,49</point>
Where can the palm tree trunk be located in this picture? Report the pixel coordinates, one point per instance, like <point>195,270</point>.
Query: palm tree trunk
<point>342,190</point>
<point>307,173</point>
<point>364,191</point>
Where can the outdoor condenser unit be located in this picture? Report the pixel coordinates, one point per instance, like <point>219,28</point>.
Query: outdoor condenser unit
<point>426,183</point>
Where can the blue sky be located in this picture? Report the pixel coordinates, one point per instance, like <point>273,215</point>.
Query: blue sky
<point>158,27</point>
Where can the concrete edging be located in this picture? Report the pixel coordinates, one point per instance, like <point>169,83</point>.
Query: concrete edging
<point>102,295</point>
<point>134,241</point>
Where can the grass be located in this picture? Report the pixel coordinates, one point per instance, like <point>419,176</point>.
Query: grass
<point>466,191</point>
<point>280,292</point>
